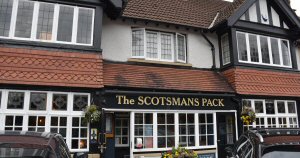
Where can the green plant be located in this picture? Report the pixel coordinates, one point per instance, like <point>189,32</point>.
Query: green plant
<point>248,115</point>
<point>179,152</point>
<point>91,114</point>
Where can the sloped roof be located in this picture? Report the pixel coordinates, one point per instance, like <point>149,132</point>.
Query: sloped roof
<point>136,76</point>
<point>50,68</point>
<point>264,82</point>
<point>194,13</point>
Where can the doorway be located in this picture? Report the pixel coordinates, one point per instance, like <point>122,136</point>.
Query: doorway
<point>122,130</point>
<point>226,132</point>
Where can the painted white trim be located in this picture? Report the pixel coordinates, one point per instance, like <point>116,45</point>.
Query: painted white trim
<point>48,113</point>
<point>259,50</point>
<point>54,25</point>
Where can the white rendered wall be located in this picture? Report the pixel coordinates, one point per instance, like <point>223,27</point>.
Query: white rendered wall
<point>116,42</point>
<point>253,13</point>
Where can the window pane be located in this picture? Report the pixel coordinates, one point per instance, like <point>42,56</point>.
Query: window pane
<point>275,51</point>
<point>253,48</point>
<point>166,46</point>
<point>152,48</point>
<point>65,24</point>
<point>5,16</point>
<point>38,101</point>
<point>138,42</point>
<point>225,49</point>
<point>291,107</point>
<point>270,107</point>
<point>59,102</point>
<point>181,55</point>
<point>242,46</point>
<point>259,108</point>
<point>45,21</point>
<point>285,53</point>
<point>280,107</point>
<point>24,19</point>
<point>264,50</point>
<point>15,100</point>
<point>85,19</point>
<point>80,102</point>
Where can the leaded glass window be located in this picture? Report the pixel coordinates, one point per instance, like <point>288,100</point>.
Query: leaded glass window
<point>65,23</point>
<point>80,102</point>
<point>15,100</point>
<point>38,101</point>
<point>24,19</point>
<point>242,46</point>
<point>45,21</point>
<point>5,16</point>
<point>59,102</point>
<point>152,45</point>
<point>85,24</point>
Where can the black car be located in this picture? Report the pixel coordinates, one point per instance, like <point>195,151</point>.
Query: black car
<point>267,143</point>
<point>25,144</point>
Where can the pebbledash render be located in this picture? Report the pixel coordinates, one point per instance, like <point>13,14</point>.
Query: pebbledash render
<point>163,73</point>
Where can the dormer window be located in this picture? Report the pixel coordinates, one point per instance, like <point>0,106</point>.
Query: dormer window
<point>160,46</point>
<point>46,22</point>
<point>263,50</point>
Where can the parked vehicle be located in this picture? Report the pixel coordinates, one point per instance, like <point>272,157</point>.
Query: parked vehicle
<point>267,143</point>
<point>32,145</point>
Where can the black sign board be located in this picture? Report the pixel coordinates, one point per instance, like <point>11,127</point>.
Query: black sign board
<point>172,101</point>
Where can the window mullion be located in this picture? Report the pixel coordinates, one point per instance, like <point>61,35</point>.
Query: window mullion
<point>197,130</point>
<point>280,51</point>
<point>259,49</point>
<point>13,18</point>
<point>248,47</point>
<point>172,48</point>
<point>35,20</point>
<point>270,51</point>
<point>55,22</point>
<point>75,25</point>
<point>176,130</point>
<point>154,130</point>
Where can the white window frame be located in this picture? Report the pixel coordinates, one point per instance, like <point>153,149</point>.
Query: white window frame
<point>176,115</point>
<point>174,46</point>
<point>121,136</point>
<point>259,50</point>
<point>48,113</point>
<point>276,115</point>
<point>54,24</point>
<point>222,47</point>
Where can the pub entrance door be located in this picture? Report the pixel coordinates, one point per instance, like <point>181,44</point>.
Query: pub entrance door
<point>226,131</point>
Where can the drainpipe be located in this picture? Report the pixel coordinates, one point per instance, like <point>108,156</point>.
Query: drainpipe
<point>212,50</point>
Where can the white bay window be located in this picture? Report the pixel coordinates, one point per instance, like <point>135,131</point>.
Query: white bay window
<point>161,46</point>
<point>273,113</point>
<point>41,111</point>
<point>263,50</point>
<point>46,22</point>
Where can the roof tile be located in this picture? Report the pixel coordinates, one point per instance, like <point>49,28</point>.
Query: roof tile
<point>136,76</point>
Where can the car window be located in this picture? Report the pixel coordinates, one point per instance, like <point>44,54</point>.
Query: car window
<point>244,148</point>
<point>282,151</point>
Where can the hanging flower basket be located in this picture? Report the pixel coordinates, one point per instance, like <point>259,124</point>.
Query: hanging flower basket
<point>248,115</point>
<point>179,153</point>
<point>91,114</point>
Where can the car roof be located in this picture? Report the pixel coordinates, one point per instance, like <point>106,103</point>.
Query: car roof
<point>272,136</point>
<point>28,139</point>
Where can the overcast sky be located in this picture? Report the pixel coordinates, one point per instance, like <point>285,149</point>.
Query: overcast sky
<point>296,5</point>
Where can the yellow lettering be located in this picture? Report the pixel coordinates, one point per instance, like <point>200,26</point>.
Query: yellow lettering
<point>183,102</point>
<point>221,102</point>
<point>169,101</point>
<point>147,102</point>
<point>155,101</point>
<point>204,101</point>
<point>215,102</point>
<point>176,101</point>
<point>197,102</point>
<point>140,100</point>
<point>162,100</point>
<point>119,97</point>
<point>190,101</point>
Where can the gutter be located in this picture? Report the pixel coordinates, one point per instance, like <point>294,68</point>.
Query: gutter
<point>212,49</point>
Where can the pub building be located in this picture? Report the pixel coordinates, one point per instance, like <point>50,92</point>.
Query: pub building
<point>178,73</point>
<point>164,73</point>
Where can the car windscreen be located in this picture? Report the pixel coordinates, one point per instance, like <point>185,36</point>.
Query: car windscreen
<point>24,153</point>
<point>282,151</point>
